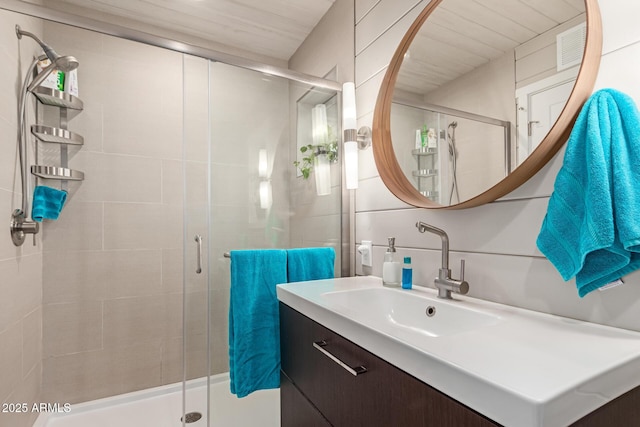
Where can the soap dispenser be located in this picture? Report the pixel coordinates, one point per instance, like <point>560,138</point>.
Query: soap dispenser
<point>391,268</point>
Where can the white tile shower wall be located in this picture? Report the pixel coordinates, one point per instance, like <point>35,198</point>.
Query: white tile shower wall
<point>20,268</point>
<point>112,263</point>
<point>497,240</point>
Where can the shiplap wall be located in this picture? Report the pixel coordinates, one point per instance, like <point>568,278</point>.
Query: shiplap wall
<point>496,240</point>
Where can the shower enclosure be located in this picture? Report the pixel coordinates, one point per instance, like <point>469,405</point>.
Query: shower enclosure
<point>449,155</point>
<point>184,159</point>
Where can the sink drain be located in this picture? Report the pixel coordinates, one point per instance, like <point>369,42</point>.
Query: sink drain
<point>430,311</point>
<point>191,417</point>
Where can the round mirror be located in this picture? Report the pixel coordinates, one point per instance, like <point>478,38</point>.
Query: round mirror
<point>480,95</point>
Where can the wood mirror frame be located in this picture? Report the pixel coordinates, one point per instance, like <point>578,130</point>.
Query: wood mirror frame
<point>385,158</point>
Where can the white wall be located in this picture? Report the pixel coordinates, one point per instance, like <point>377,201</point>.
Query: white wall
<point>20,267</point>
<point>497,240</point>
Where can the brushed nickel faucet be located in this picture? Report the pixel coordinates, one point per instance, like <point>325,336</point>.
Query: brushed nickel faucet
<point>444,282</point>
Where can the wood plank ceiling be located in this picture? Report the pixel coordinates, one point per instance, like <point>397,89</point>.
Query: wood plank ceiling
<point>271,28</point>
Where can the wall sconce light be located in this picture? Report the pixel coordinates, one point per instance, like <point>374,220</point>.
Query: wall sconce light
<point>353,139</point>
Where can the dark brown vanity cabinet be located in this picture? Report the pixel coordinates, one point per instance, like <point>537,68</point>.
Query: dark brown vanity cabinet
<point>316,391</point>
<point>325,393</point>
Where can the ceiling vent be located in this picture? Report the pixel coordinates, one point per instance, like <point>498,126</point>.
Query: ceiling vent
<point>570,46</point>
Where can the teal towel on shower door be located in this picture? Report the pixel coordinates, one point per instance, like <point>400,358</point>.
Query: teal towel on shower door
<point>254,322</point>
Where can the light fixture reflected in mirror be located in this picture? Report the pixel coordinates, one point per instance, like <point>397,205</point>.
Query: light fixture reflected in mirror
<point>265,195</point>
<point>322,170</point>
<point>265,184</point>
<point>320,136</point>
<point>263,163</point>
<point>319,128</point>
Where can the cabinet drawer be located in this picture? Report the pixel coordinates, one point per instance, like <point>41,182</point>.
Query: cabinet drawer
<point>295,409</point>
<point>381,396</point>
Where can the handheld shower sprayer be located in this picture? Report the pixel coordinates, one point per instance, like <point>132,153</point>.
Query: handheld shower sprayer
<point>453,155</point>
<point>452,139</point>
<point>62,63</point>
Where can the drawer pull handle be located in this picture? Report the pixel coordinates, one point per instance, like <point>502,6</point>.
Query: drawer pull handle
<point>355,371</point>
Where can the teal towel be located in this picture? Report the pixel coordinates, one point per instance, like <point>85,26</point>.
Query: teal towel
<point>592,226</point>
<point>254,322</point>
<point>254,325</point>
<point>47,203</point>
<point>310,264</point>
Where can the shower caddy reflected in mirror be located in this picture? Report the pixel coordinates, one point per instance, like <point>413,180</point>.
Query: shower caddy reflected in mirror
<point>433,161</point>
<point>67,105</point>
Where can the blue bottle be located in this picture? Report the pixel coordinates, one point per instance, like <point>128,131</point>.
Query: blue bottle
<point>407,273</point>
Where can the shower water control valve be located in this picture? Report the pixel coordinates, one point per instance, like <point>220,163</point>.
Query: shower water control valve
<point>20,226</point>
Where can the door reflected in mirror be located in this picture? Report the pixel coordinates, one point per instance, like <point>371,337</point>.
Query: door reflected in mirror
<point>479,88</point>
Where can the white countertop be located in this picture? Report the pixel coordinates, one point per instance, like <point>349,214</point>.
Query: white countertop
<point>527,369</point>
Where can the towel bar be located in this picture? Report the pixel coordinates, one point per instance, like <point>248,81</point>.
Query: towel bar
<point>227,255</point>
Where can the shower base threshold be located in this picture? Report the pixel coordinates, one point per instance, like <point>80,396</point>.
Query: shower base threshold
<point>162,407</point>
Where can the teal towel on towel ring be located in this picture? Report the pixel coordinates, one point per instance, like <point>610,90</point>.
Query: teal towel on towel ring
<point>592,227</point>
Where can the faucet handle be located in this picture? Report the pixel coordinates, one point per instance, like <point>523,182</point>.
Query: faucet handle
<point>464,285</point>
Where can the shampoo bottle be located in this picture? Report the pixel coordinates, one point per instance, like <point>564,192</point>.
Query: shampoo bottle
<point>391,269</point>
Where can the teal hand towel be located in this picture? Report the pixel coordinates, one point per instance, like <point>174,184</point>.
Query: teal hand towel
<point>254,326</point>
<point>47,203</point>
<point>310,264</point>
<point>592,227</point>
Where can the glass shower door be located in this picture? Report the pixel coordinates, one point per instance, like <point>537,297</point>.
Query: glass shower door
<point>242,135</point>
<point>258,123</point>
<point>196,242</point>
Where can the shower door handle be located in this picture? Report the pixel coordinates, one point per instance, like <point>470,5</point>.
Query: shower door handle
<point>198,239</point>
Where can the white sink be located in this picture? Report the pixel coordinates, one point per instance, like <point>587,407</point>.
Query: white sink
<point>515,366</point>
<point>403,313</point>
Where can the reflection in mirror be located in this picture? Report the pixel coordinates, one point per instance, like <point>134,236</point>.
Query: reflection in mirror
<point>479,88</point>
<point>317,138</point>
